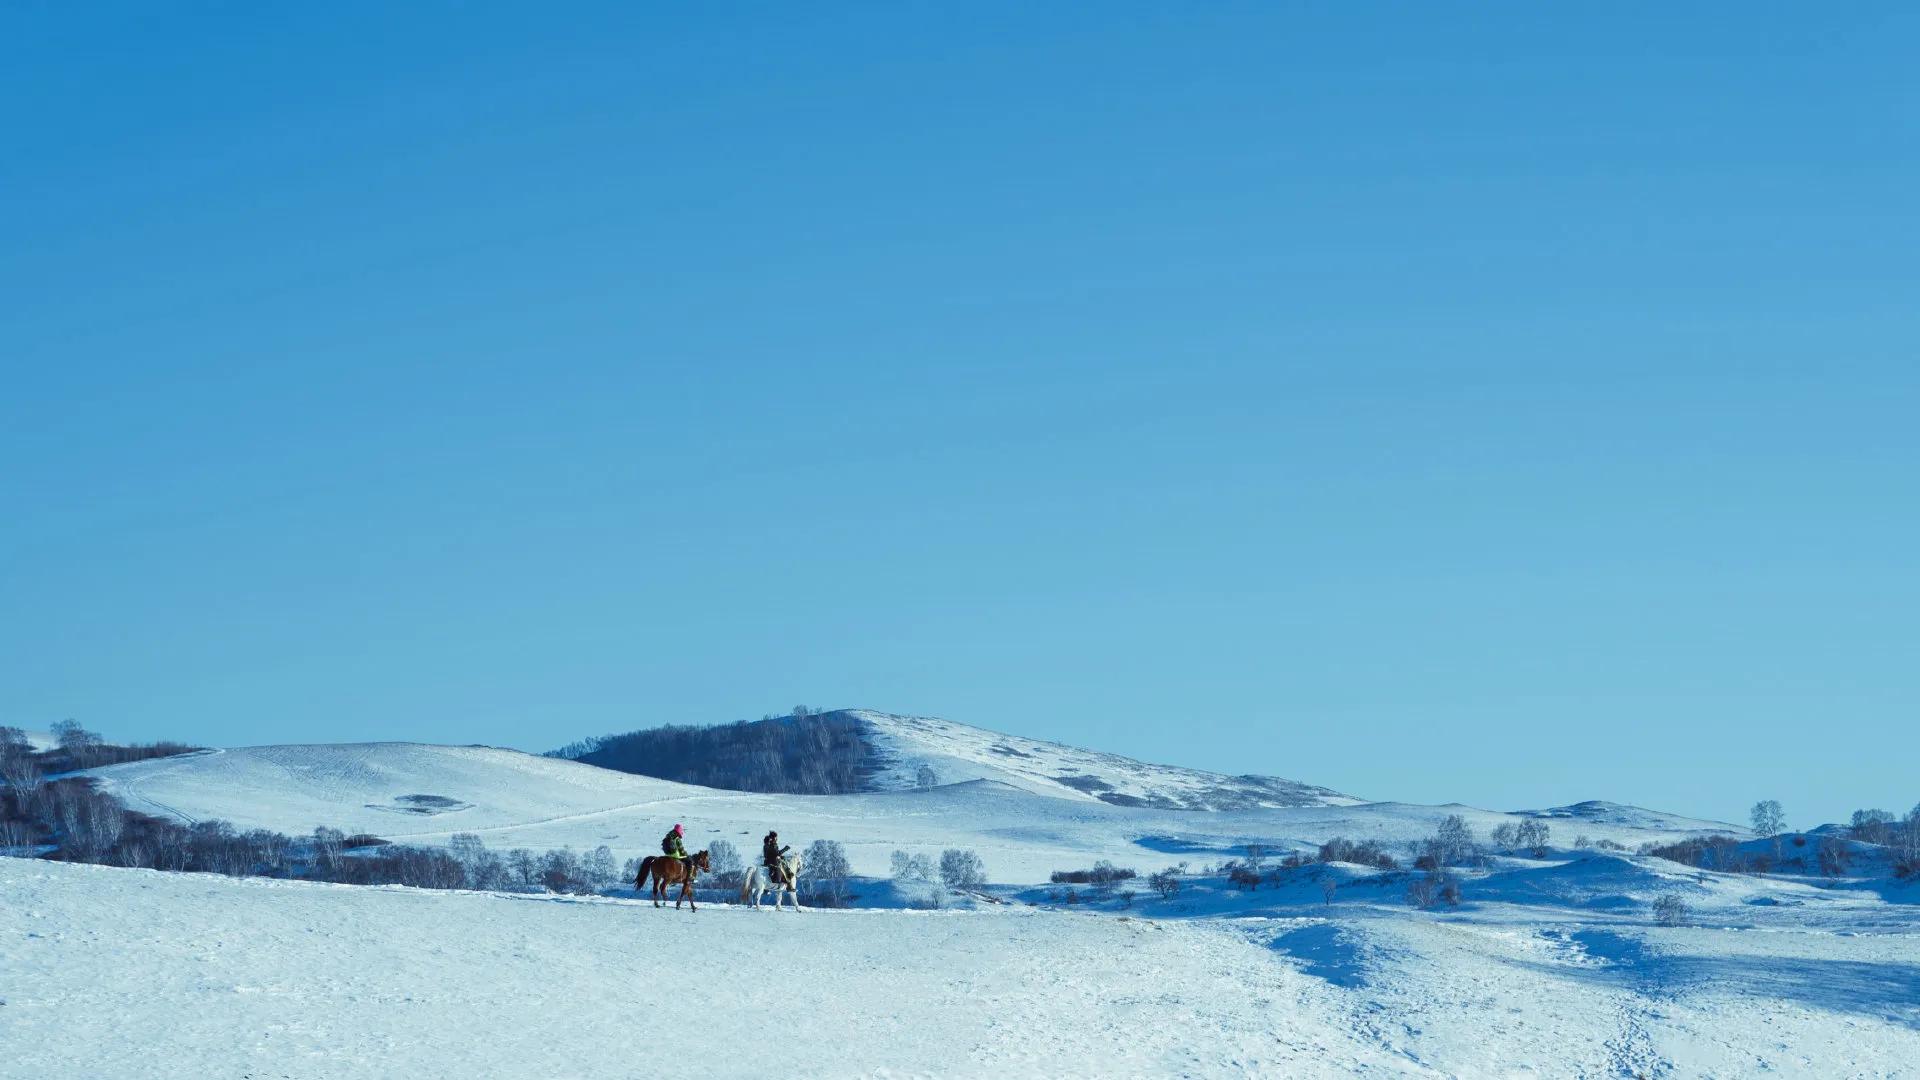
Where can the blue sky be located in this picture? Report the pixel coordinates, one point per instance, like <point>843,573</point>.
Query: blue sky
<point>1512,405</point>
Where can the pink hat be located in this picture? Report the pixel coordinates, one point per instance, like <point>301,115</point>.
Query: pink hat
<point>677,828</point>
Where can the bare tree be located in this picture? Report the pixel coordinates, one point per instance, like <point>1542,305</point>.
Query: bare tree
<point>15,833</point>
<point>1532,837</point>
<point>1906,846</point>
<point>599,870</point>
<point>1453,842</point>
<point>523,869</point>
<point>962,869</point>
<point>1769,820</point>
<point>560,871</point>
<point>1256,857</point>
<point>1329,885</point>
<point>77,743</point>
<point>1834,856</point>
<point>482,869</point>
<point>69,735</point>
<point>1871,826</point>
<point>910,868</point>
<point>826,873</point>
<point>926,779</point>
<point>728,866</point>
<point>467,847</point>
<point>14,741</point>
<point>326,846</point>
<point>21,774</point>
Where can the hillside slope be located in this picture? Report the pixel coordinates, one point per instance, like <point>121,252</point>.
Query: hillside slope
<point>957,752</point>
<point>388,789</point>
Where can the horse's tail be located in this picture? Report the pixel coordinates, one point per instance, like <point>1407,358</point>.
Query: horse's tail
<point>746,885</point>
<point>646,867</point>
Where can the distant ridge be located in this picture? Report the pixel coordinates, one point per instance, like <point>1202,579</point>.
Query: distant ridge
<point>854,750</point>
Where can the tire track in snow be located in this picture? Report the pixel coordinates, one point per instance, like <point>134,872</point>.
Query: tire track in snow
<point>134,788</point>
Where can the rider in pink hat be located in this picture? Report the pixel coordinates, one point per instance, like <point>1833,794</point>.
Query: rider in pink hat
<point>672,846</point>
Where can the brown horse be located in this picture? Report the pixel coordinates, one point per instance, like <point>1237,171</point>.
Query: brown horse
<point>667,872</point>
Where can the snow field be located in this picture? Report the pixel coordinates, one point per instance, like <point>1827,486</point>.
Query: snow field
<point>131,973</point>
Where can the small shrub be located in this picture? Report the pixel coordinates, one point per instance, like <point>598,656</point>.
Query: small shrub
<point>1670,910</point>
<point>1436,886</point>
<point>1166,882</point>
<point>1362,853</point>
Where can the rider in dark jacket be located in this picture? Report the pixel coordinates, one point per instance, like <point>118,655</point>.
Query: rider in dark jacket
<point>770,854</point>
<point>671,845</point>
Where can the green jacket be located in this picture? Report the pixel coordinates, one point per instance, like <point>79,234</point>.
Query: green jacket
<point>672,847</point>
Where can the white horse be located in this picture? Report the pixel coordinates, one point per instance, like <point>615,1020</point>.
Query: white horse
<point>754,882</point>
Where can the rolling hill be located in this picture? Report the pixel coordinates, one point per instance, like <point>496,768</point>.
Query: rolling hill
<point>861,750</point>
<point>1011,808</point>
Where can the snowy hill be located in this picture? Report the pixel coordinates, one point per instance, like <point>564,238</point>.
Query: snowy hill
<point>1601,812</point>
<point>957,752</point>
<point>1025,826</point>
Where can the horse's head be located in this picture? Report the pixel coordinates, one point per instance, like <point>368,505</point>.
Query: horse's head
<point>700,860</point>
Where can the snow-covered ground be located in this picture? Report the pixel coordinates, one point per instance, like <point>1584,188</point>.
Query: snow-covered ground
<point>131,973</point>
<point>1551,967</point>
